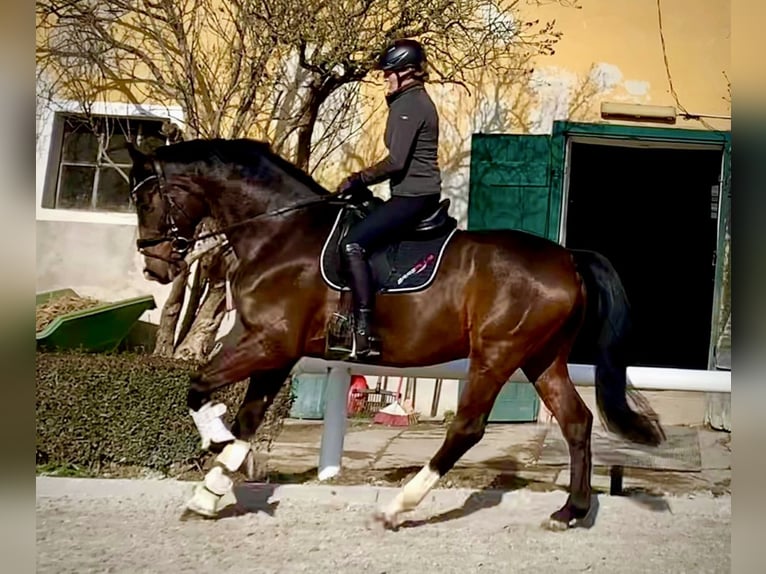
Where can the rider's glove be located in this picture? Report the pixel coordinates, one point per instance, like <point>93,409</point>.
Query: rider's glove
<point>352,188</point>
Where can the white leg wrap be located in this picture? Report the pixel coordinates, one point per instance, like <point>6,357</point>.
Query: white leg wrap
<point>203,502</point>
<point>414,491</point>
<point>210,425</point>
<point>217,482</point>
<point>233,455</point>
<point>213,494</point>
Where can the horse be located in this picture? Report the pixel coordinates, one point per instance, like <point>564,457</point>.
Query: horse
<point>505,299</point>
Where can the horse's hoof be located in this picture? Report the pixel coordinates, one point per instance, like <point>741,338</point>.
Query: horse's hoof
<point>388,522</point>
<point>200,510</point>
<point>554,525</point>
<point>203,502</point>
<point>564,519</point>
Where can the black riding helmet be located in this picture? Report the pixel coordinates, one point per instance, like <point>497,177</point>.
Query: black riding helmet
<point>403,54</point>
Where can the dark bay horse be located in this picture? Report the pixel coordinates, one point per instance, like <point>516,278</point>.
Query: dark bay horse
<point>505,299</point>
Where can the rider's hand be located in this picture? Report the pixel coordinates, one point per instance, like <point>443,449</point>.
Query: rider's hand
<point>351,187</point>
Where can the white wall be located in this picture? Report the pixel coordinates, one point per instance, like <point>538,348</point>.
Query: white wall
<point>97,260</point>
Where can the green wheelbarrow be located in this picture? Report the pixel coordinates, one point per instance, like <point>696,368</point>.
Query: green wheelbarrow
<point>97,329</point>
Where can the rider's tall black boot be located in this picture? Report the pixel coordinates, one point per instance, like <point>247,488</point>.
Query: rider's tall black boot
<point>363,295</point>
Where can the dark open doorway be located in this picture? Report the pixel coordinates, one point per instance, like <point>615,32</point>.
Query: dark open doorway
<point>651,211</point>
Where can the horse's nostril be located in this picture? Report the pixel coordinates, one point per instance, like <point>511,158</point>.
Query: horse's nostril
<point>150,275</point>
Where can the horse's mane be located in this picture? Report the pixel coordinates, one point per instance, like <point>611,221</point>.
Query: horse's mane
<point>246,154</point>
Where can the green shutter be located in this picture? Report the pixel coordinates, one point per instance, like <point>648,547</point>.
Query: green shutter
<point>517,402</point>
<point>512,184</point>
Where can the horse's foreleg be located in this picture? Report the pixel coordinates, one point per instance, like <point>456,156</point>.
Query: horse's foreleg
<point>267,374</point>
<point>259,397</point>
<point>228,366</point>
<point>465,431</point>
<point>263,388</point>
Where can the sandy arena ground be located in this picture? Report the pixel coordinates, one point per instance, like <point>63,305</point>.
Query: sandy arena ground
<point>136,526</point>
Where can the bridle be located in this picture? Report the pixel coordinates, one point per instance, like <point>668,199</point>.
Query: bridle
<point>181,245</point>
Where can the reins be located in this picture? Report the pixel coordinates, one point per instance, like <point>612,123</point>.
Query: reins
<point>182,244</point>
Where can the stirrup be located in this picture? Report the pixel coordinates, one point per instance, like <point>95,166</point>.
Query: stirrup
<point>370,351</point>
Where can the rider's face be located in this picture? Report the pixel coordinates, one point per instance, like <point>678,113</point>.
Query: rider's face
<point>392,83</point>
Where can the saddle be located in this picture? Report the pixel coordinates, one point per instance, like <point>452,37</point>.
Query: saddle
<point>405,265</point>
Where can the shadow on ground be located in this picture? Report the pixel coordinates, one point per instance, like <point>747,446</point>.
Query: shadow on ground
<point>253,498</point>
<point>647,499</point>
<point>475,502</point>
<point>506,475</point>
<point>487,498</point>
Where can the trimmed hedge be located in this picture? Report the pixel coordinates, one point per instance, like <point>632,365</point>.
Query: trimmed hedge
<point>124,409</point>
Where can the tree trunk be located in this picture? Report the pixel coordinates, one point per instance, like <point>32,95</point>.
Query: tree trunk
<point>316,97</point>
<point>199,342</point>
<point>196,346</point>
<point>211,266</point>
<point>718,405</point>
<point>718,411</point>
<point>199,282</point>
<point>166,331</point>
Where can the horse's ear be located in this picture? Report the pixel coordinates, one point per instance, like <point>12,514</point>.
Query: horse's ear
<point>136,155</point>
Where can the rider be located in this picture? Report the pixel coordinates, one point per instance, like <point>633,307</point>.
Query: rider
<point>412,139</point>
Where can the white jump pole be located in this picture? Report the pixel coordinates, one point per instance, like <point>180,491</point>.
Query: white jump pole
<point>643,378</point>
<point>334,429</point>
<point>659,379</point>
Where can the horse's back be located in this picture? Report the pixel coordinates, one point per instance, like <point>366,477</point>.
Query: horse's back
<point>515,246</point>
<point>514,263</point>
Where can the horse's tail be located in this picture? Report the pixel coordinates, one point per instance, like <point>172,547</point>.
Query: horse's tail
<point>608,319</point>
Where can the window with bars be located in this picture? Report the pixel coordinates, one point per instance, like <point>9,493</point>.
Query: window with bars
<point>89,162</point>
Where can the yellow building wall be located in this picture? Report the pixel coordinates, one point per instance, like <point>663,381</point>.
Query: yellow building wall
<point>623,36</point>
<point>610,51</point>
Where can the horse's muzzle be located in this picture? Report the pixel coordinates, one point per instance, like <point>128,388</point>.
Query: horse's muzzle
<point>150,275</point>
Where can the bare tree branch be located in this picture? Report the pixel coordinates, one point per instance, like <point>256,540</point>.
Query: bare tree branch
<point>286,71</point>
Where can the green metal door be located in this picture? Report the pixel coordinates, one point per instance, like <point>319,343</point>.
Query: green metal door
<point>513,186</point>
<point>309,397</point>
<point>516,403</point>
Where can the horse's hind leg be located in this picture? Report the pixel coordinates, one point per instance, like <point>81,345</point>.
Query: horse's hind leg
<point>464,432</point>
<point>259,397</point>
<point>558,392</point>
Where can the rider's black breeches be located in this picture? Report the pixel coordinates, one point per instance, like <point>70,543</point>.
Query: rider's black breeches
<point>387,221</point>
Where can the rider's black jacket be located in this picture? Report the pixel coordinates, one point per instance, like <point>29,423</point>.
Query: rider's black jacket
<point>412,136</point>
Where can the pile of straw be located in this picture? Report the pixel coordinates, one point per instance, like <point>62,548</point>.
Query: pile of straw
<point>45,313</point>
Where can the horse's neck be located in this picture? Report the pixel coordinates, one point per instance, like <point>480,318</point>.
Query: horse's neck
<point>232,201</point>
<point>300,232</point>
